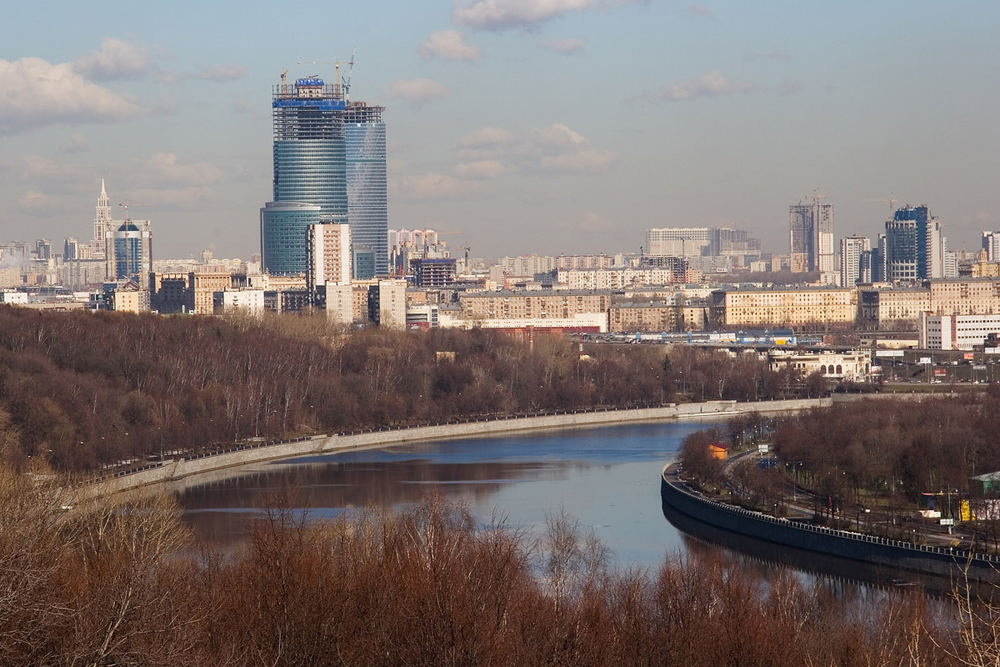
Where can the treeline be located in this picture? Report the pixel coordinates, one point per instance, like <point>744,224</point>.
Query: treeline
<point>108,584</point>
<point>892,448</point>
<point>83,389</point>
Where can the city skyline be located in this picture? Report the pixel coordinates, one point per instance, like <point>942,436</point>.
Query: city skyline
<point>641,115</point>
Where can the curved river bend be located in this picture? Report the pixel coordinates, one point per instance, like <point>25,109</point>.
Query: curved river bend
<point>607,478</point>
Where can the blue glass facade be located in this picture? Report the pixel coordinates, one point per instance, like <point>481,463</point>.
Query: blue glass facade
<point>309,170</point>
<point>283,228</point>
<point>128,252</point>
<point>367,193</point>
<point>313,171</point>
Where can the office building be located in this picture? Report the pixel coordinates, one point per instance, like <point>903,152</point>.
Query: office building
<point>309,146</point>
<point>956,332</point>
<point>855,259</point>
<point>131,252</point>
<point>433,272</point>
<point>367,193</point>
<point>283,227</point>
<point>676,241</point>
<point>811,237</point>
<point>310,173</point>
<point>913,247</point>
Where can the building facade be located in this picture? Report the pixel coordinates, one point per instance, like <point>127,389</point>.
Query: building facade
<point>563,304</point>
<point>956,332</point>
<point>811,237</point>
<point>855,264</point>
<point>433,272</point>
<point>328,254</point>
<point>913,245</point>
<point>852,366</point>
<point>283,236</point>
<point>676,241</point>
<point>783,307</point>
<point>367,193</point>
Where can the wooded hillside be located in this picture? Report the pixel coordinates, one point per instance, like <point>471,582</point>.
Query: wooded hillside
<point>82,389</point>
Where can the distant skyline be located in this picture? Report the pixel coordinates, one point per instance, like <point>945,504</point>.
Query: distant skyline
<point>515,126</point>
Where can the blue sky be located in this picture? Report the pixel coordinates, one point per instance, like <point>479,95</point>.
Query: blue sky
<point>516,126</point>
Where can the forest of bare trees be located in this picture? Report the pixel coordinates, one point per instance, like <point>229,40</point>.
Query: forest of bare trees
<point>120,583</point>
<point>78,390</point>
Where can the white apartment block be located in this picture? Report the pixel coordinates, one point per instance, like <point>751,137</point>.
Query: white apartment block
<point>956,332</point>
<point>340,302</point>
<point>613,279</point>
<point>392,303</point>
<point>250,301</point>
<point>328,247</point>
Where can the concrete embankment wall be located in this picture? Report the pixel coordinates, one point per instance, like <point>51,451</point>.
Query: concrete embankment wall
<point>842,544</point>
<point>176,469</point>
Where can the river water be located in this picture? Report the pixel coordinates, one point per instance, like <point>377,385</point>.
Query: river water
<point>607,478</point>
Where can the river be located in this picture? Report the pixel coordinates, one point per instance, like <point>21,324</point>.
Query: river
<point>607,478</point>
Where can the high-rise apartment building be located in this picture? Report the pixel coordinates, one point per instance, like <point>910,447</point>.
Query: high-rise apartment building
<point>991,244</point>
<point>367,193</point>
<point>852,250</point>
<point>811,237</point>
<point>328,249</point>
<point>913,245</point>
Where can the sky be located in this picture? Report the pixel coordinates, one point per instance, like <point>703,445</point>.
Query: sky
<point>514,126</point>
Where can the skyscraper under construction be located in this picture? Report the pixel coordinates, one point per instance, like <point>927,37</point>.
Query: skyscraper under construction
<point>367,195</point>
<point>327,153</point>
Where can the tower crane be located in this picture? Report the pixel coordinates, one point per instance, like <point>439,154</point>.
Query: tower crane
<point>284,83</point>
<point>338,86</point>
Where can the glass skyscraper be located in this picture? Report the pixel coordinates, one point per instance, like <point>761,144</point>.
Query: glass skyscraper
<point>283,233</point>
<point>367,198</point>
<point>309,171</point>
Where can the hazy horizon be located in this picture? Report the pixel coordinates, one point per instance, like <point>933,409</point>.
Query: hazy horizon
<point>516,126</point>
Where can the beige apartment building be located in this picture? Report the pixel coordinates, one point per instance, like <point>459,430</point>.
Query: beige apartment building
<point>783,307</point>
<point>532,304</point>
<point>972,296</point>
<point>891,307</point>
<point>655,317</point>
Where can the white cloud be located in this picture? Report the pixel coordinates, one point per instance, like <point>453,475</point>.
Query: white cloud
<point>710,84</point>
<point>166,170</point>
<point>77,143</point>
<point>417,91</point>
<point>228,72</point>
<point>37,203</point>
<point>479,169</point>
<point>116,59</point>
<point>485,139</point>
<point>507,14</point>
<point>448,44</point>
<point>554,148</point>
<point>38,93</point>
<point>565,46</point>
<point>430,185</point>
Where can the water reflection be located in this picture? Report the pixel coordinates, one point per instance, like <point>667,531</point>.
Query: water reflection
<point>605,477</point>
